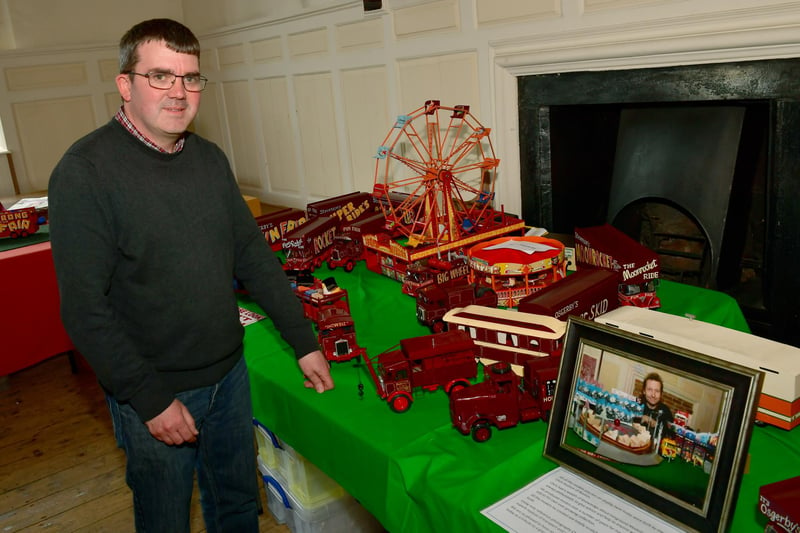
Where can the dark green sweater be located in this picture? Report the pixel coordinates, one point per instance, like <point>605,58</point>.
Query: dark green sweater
<point>146,246</point>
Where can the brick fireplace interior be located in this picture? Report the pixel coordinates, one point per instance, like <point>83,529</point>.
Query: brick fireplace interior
<point>700,163</point>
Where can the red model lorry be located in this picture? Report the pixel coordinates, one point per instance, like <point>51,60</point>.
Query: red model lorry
<point>336,334</point>
<point>637,266</point>
<point>587,293</point>
<point>434,301</point>
<point>17,223</point>
<point>428,362</point>
<point>327,305</point>
<point>434,270</point>
<point>504,399</point>
<point>348,246</point>
<point>309,245</point>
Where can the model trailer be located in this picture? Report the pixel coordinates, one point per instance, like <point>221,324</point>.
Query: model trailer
<point>309,245</point>
<point>636,265</point>
<point>277,224</point>
<point>504,399</point>
<point>587,293</point>
<point>16,223</point>
<point>503,335</point>
<point>779,401</point>
<point>441,360</point>
<point>346,208</point>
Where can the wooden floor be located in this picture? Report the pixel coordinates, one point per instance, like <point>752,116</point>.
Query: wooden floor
<point>60,468</point>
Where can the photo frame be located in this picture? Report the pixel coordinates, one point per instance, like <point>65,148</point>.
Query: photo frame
<point>686,470</point>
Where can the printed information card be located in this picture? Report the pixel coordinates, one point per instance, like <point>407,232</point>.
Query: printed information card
<point>562,501</point>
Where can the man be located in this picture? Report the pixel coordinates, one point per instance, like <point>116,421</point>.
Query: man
<point>656,414</point>
<point>148,231</point>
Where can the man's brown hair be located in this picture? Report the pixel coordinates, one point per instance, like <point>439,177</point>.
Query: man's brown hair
<point>175,35</point>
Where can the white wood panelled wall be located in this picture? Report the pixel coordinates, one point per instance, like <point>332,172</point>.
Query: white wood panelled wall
<point>302,92</point>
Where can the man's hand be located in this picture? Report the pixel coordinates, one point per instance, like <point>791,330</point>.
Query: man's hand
<point>317,371</point>
<point>174,425</point>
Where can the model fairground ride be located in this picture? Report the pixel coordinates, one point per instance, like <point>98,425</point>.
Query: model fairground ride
<point>435,173</point>
<point>514,267</point>
<point>598,414</point>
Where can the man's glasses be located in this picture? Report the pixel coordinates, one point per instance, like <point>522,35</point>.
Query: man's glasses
<point>193,83</point>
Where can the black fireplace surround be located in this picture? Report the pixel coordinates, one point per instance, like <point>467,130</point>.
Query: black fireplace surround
<point>570,138</point>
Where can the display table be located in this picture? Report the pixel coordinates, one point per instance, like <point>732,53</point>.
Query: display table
<point>29,309</point>
<point>413,471</point>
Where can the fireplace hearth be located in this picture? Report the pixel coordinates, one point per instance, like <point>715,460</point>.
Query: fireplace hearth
<point>699,162</point>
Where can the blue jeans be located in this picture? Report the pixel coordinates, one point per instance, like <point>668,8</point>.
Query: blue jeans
<point>162,476</point>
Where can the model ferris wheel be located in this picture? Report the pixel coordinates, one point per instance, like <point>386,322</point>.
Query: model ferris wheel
<point>435,175</point>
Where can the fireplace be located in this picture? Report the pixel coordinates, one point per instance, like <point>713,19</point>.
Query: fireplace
<point>699,162</point>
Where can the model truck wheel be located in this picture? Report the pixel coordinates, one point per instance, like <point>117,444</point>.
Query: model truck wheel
<point>481,432</point>
<point>439,326</point>
<point>349,266</point>
<point>400,403</point>
<point>457,385</point>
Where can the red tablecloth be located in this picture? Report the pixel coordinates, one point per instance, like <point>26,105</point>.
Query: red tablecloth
<point>30,324</point>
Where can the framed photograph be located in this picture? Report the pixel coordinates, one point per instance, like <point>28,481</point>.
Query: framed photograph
<point>664,427</point>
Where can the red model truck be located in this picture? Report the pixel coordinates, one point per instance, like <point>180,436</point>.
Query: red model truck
<point>434,301</point>
<point>327,305</point>
<point>428,362</point>
<point>336,334</point>
<point>637,266</point>
<point>434,271</point>
<point>348,246</point>
<point>504,399</point>
<point>587,293</point>
<point>309,245</point>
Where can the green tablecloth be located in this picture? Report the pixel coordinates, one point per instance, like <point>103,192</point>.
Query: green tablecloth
<point>413,471</point>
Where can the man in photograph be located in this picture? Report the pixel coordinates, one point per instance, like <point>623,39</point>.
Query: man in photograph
<point>656,414</point>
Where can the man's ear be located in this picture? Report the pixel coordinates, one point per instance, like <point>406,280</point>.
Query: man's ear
<point>124,86</point>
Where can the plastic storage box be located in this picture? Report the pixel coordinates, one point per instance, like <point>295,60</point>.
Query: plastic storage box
<point>306,482</point>
<point>269,446</point>
<point>331,515</point>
